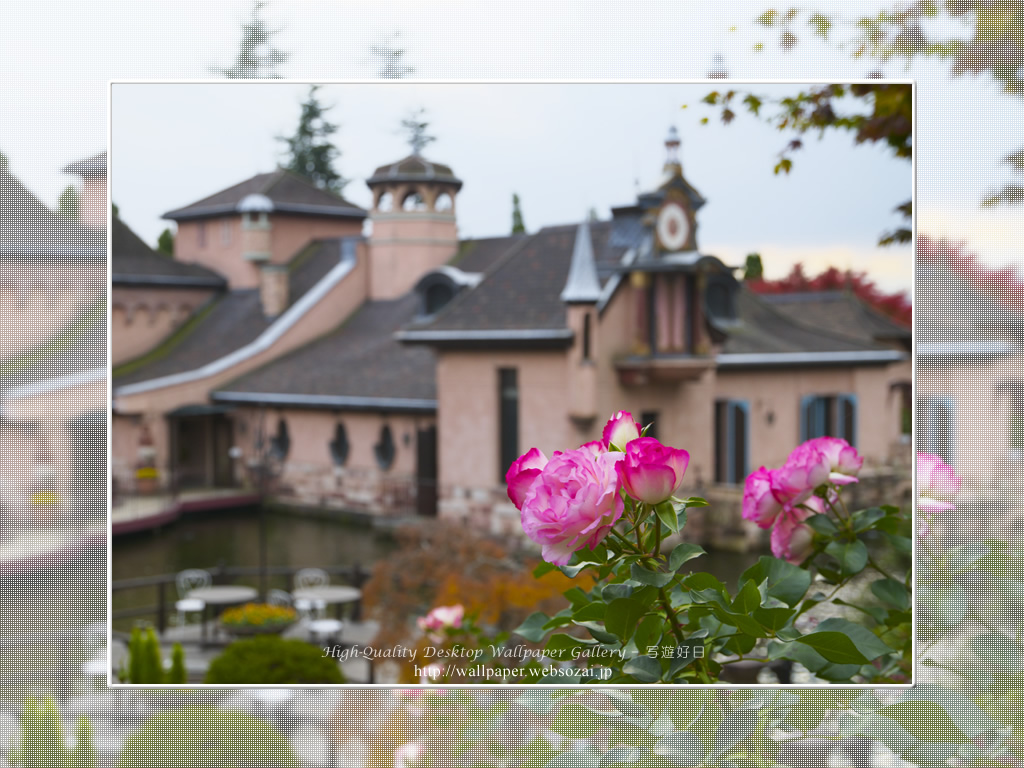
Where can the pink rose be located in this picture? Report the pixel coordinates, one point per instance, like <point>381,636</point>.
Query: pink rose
<point>440,618</point>
<point>791,539</point>
<point>572,503</point>
<point>410,754</point>
<point>844,461</point>
<point>620,430</point>
<point>937,484</point>
<point>652,472</point>
<point>759,503</point>
<point>522,473</point>
<point>804,470</point>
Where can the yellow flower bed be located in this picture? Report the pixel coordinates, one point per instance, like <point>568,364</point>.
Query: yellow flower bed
<point>258,615</point>
<point>145,473</point>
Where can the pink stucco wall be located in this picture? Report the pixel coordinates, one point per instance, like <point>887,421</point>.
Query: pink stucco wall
<point>40,297</point>
<point>93,207</point>
<point>327,314</point>
<point>142,317</point>
<point>405,246</point>
<point>288,235</point>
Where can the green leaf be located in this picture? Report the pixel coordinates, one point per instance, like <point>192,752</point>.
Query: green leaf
<point>577,758</point>
<point>747,599</point>
<point>786,581</point>
<point>589,612</point>
<point>538,701</point>
<point>892,592</point>
<point>683,553</point>
<point>649,577</point>
<point>852,555</point>
<point>695,501</point>
<point>667,514</point>
<point>737,726</point>
<point>683,749</point>
<point>533,628</point>
<point>616,591</point>
<point>621,616</point>
<point>542,569</point>
<point>773,618</point>
<point>620,755</point>
<point>822,524</point>
<point>767,18</point>
<point>572,570</point>
<point>576,721</point>
<point>643,668</point>
<point>623,701</point>
<point>649,631</point>
<point>843,642</point>
<point>863,519</point>
<point>597,631</point>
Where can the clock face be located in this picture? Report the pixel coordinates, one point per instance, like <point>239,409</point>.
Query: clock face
<point>673,227</point>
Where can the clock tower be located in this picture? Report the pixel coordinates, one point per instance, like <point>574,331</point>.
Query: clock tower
<point>675,223</point>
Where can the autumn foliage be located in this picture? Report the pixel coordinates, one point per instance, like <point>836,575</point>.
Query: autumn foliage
<point>896,306</point>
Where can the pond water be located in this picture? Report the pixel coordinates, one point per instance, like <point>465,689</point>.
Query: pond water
<point>293,540</point>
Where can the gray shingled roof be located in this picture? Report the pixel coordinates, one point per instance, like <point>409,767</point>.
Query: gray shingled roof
<point>764,328</point>
<point>135,263</point>
<point>231,321</point>
<point>80,346</point>
<point>979,315</point>
<point>28,229</point>
<point>415,168</point>
<point>523,286</point>
<point>838,312</point>
<point>90,166</point>
<point>359,360</point>
<point>289,193</point>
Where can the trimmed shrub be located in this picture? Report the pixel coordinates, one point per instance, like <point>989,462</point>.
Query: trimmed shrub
<point>42,742</point>
<point>269,659</point>
<point>205,737</point>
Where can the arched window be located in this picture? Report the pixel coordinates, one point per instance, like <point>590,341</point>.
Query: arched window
<point>384,450</point>
<point>386,202</point>
<point>443,202</point>
<point>280,443</point>
<point>414,202</point>
<point>339,446</point>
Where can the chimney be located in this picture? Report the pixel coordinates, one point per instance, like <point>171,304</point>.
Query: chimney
<point>274,289</point>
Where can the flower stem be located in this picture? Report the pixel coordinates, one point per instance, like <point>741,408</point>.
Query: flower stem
<point>676,629</point>
<point>624,541</point>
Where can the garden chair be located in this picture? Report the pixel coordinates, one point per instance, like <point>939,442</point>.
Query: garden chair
<point>309,578</point>
<point>187,580</point>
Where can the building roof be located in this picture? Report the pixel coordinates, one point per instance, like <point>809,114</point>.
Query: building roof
<point>839,312</point>
<point>90,166</point>
<point>582,284</point>
<point>28,229</point>
<point>78,347</point>
<point>762,328</point>
<point>358,366</point>
<point>521,292</point>
<point>980,314</point>
<point>135,263</point>
<point>287,192</point>
<point>225,324</point>
<point>229,322</point>
<point>414,168</point>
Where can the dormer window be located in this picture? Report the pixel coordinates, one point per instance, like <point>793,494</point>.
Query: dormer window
<point>436,296</point>
<point>438,287</point>
<point>720,298</point>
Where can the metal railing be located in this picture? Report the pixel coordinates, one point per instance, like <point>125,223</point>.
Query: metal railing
<point>163,588</point>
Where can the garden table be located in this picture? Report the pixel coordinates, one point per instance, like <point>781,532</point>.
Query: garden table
<point>336,594</point>
<point>223,595</point>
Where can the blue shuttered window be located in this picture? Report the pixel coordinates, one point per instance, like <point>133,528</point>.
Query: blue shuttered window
<point>828,415</point>
<point>732,441</point>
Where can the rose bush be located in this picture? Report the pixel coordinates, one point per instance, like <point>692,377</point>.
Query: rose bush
<point>608,508</point>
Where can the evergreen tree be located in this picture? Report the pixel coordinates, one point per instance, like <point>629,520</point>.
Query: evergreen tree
<point>68,204</point>
<point>416,127</point>
<point>310,151</point>
<point>389,59</point>
<point>165,243</point>
<point>115,210</point>
<point>753,270</point>
<point>178,674</point>
<point>517,216</point>
<point>257,57</point>
<point>84,753</point>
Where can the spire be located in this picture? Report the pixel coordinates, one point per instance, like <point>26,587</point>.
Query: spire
<point>672,143</point>
<point>582,285</point>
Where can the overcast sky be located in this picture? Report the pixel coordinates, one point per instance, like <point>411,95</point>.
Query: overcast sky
<point>59,62</point>
<point>564,149</point>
